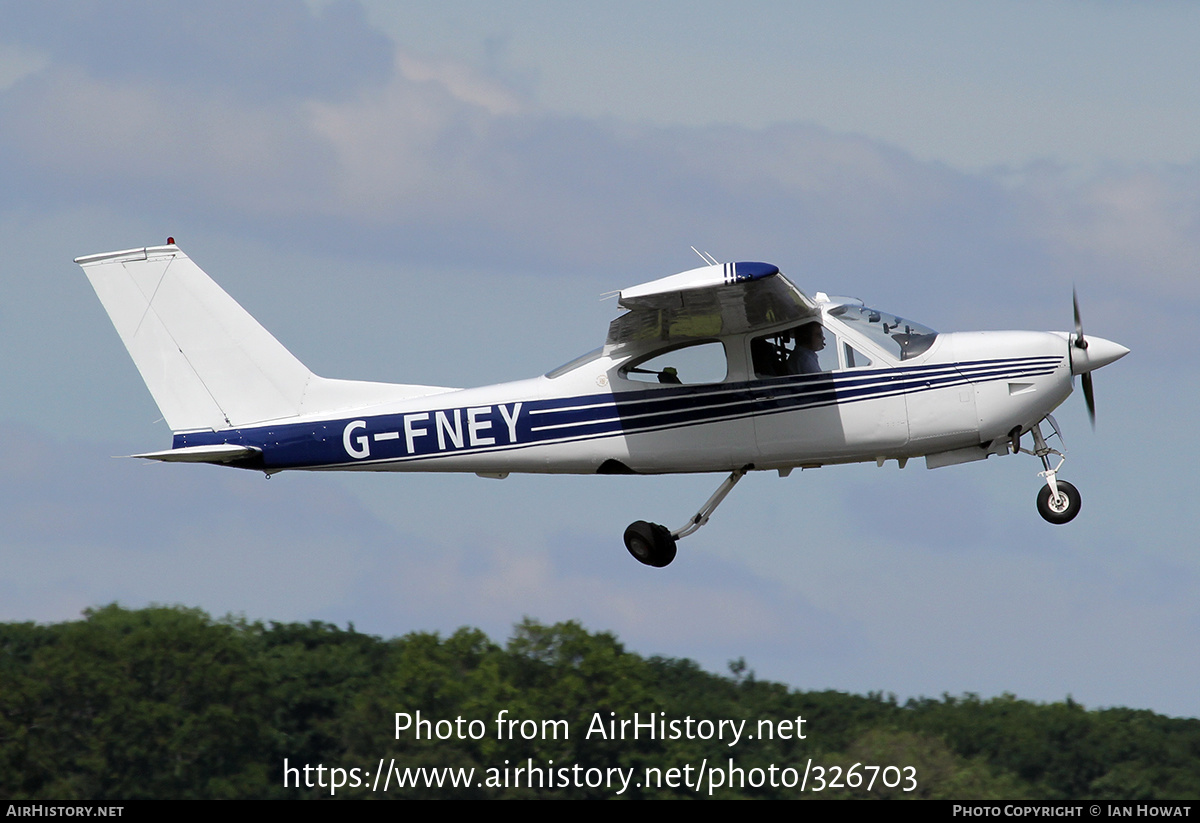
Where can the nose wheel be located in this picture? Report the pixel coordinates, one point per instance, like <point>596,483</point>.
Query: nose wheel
<point>1058,501</point>
<point>1060,507</point>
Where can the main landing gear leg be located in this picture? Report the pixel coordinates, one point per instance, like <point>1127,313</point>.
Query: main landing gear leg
<point>653,545</point>
<point>1058,502</point>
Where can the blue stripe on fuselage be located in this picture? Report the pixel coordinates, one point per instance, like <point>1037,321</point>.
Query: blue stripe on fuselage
<point>419,435</point>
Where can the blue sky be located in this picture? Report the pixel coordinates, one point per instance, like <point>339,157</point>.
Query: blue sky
<point>440,194</point>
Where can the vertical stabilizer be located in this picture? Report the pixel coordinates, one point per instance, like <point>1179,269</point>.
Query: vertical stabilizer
<point>206,361</point>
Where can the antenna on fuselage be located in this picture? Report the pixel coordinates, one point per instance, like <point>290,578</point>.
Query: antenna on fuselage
<point>706,257</point>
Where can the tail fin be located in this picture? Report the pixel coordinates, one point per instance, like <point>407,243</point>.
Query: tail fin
<point>206,361</point>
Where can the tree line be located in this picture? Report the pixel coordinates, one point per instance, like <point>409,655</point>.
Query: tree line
<point>172,703</point>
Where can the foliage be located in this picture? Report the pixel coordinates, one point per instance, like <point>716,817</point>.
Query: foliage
<point>169,703</point>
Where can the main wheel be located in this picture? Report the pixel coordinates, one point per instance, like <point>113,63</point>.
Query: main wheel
<point>650,543</point>
<point>1060,509</point>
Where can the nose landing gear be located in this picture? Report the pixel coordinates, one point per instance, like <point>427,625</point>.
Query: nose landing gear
<point>1058,501</point>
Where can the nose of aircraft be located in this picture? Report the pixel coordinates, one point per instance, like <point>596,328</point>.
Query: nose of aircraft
<point>1099,352</point>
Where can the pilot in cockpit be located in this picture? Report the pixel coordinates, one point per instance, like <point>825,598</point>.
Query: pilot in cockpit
<point>810,339</point>
<point>793,351</point>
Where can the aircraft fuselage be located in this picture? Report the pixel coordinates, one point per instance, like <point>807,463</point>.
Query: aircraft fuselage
<point>966,392</point>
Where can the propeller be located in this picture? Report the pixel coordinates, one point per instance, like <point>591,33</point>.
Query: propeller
<point>1082,344</point>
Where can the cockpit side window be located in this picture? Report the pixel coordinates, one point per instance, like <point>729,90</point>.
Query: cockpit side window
<point>801,349</point>
<point>694,364</point>
<point>853,358</point>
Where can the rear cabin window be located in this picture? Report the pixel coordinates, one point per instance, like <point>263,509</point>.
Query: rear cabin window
<point>683,366</point>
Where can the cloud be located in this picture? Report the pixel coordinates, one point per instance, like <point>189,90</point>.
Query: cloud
<point>423,159</point>
<point>704,607</point>
<point>83,138</point>
<point>253,51</point>
<point>1125,225</point>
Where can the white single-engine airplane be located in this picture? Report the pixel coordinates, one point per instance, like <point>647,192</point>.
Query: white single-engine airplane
<point>724,368</point>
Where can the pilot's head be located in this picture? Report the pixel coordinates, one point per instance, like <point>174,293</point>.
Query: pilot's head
<point>811,336</point>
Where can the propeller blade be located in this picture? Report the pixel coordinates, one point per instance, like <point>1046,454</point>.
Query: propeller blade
<point>1090,398</point>
<point>1080,341</point>
<point>1089,395</point>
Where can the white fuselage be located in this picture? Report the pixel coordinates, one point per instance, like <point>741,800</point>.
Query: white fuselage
<point>959,400</point>
<point>720,368</point>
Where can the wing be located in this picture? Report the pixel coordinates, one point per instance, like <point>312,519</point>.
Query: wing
<point>712,301</point>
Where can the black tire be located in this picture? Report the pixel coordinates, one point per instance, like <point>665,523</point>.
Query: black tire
<point>1062,510</point>
<point>650,543</point>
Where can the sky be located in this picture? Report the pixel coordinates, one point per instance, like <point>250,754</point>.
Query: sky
<point>441,194</point>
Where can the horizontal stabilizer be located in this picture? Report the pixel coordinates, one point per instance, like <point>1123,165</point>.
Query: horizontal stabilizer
<point>218,453</point>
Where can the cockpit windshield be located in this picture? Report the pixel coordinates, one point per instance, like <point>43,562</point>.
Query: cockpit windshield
<point>902,338</point>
